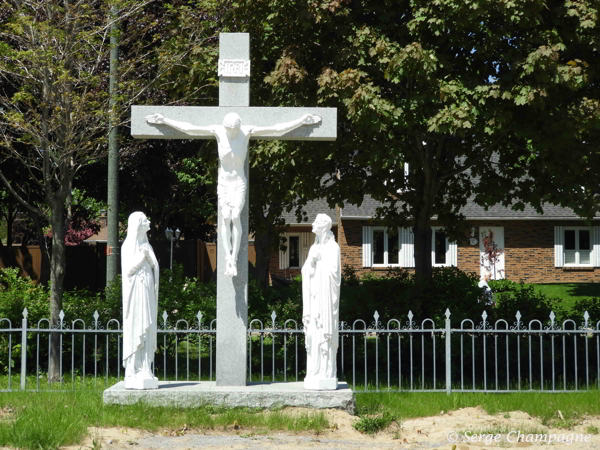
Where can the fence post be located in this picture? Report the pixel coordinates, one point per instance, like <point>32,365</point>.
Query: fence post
<point>24,350</point>
<point>448,354</point>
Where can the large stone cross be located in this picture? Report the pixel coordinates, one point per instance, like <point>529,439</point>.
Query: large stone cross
<point>234,97</point>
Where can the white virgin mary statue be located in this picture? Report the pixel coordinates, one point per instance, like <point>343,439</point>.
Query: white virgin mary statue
<point>321,278</point>
<point>140,276</point>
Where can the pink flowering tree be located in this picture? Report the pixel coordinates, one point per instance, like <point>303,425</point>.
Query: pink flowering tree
<point>78,232</point>
<point>491,252</point>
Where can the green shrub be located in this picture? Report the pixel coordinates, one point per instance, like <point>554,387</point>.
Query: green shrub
<point>182,297</point>
<point>373,424</point>
<point>17,293</point>
<point>349,276</point>
<point>591,305</point>
<point>396,293</point>
<point>286,301</point>
<point>502,285</point>
<point>531,304</point>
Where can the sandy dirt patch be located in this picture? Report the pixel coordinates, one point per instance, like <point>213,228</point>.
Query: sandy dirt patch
<point>445,431</point>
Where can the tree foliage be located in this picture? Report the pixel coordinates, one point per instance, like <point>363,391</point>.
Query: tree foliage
<point>173,182</point>
<point>442,86</point>
<point>55,107</point>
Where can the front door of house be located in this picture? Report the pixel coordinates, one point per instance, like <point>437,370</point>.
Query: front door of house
<point>492,251</point>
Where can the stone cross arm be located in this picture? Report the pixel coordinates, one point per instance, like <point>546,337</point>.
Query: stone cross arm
<point>326,130</point>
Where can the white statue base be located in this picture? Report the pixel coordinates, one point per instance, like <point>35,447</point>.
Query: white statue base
<point>316,384</point>
<point>141,383</point>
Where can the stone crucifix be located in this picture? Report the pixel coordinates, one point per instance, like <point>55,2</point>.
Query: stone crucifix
<point>240,123</point>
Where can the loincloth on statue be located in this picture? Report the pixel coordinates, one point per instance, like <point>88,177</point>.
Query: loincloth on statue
<point>231,193</point>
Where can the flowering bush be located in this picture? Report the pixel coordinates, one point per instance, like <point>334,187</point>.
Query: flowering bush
<point>76,235</point>
<point>492,253</point>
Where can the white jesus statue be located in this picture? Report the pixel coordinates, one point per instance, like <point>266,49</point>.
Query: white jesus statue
<point>321,278</point>
<point>232,141</point>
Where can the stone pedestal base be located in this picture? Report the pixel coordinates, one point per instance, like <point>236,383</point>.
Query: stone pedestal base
<point>141,383</point>
<point>327,384</point>
<point>192,394</point>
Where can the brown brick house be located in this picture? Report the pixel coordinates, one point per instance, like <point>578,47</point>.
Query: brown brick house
<point>553,247</point>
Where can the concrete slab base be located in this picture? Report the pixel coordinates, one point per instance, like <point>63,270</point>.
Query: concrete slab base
<point>190,394</point>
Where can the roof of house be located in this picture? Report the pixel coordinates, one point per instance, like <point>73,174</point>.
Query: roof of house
<point>312,209</point>
<point>102,235</point>
<point>472,211</point>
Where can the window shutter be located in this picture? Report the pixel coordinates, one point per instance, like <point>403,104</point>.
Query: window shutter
<point>596,246</point>
<point>304,247</point>
<point>559,238</point>
<point>366,247</point>
<point>453,249</point>
<point>283,257</point>
<point>407,248</point>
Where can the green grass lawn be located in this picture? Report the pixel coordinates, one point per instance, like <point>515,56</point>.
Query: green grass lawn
<point>47,420</point>
<point>568,292</point>
<point>544,406</point>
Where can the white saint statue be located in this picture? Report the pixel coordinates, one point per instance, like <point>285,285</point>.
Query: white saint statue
<point>140,275</point>
<point>232,141</point>
<point>321,278</point>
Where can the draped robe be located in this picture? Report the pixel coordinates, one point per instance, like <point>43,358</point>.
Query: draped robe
<point>140,305</point>
<point>320,315</point>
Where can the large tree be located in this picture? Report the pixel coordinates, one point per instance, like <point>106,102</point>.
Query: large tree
<point>54,107</point>
<point>441,86</point>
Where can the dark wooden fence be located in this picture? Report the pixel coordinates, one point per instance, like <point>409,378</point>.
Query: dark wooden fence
<point>86,264</point>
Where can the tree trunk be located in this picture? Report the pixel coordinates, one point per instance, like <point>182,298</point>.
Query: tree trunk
<point>423,266</point>
<point>10,220</point>
<point>57,276</point>
<point>427,189</point>
<point>45,251</point>
<point>263,244</point>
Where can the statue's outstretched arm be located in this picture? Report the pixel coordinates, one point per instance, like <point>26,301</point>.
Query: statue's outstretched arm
<point>306,119</point>
<point>185,127</point>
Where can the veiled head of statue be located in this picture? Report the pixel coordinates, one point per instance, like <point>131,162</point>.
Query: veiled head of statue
<point>232,121</point>
<point>322,222</point>
<point>137,222</point>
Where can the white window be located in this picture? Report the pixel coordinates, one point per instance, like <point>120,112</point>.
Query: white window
<point>293,250</point>
<point>439,248</point>
<point>443,252</point>
<point>385,247</point>
<point>382,248</point>
<point>577,246</point>
<point>297,245</point>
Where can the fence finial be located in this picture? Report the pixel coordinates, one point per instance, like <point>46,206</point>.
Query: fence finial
<point>586,317</point>
<point>273,316</point>
<point>447,313</point>
<point>96,316</point>
<point>376,316</point>
<point>485,316</point>
<point>199,317</point>
<point>25,313</point>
